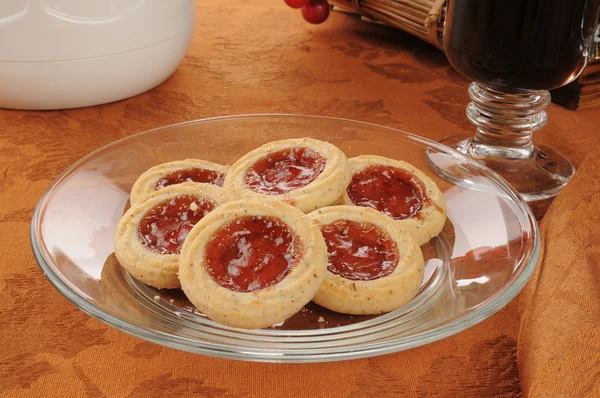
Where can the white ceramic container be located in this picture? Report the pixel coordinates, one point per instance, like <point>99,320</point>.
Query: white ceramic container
<point>58,54</point>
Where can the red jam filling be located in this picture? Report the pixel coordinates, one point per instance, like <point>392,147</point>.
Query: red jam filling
<point>391,190</point>
<point>359,251</point>
<point>251,253</point>
<point>164,228</point>
<point>191,175</point>
<point>285,170</point>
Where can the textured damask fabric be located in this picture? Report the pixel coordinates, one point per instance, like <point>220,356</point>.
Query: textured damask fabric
<point>259,56</point>
<point>559,341</point>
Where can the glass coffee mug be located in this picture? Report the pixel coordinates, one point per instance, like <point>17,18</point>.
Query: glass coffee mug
<point>515,51</point>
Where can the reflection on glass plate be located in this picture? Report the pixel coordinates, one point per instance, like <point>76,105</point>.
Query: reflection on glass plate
<point>480,261</point>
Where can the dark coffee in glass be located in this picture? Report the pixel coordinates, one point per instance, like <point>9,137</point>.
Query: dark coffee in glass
<point>514,51</point>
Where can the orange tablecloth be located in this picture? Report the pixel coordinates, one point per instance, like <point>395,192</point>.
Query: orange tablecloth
<point>255,56</point>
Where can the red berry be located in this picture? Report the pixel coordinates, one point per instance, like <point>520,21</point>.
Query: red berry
<point>296,3</point>
<point>316,11</point>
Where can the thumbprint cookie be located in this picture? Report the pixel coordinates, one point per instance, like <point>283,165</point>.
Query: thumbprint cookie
<point>373,265</point>
<point>150,234</point>
<point>177,172</point>
<point>304,172</point>
<point>398,190</point>
<point>252,263</point>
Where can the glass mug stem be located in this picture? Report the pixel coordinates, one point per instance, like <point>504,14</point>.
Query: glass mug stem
<point>505,121</point>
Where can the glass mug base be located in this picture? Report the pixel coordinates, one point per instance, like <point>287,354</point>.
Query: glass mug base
<point>539,175</point>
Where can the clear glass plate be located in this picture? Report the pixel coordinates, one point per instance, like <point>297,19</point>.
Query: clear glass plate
<point>481,260</point>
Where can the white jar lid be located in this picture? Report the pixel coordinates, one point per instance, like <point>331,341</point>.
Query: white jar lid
<point>59,30</point>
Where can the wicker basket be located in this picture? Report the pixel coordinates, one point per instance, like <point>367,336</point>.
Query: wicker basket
<point>421,18</point>
<point>425,20</point>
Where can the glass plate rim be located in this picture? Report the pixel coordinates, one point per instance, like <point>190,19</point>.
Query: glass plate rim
<point>475,316</point>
